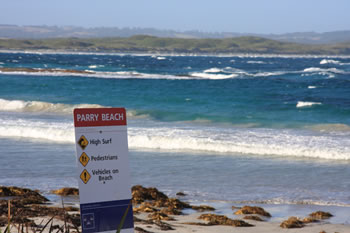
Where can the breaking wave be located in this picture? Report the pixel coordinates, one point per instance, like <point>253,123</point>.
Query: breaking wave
<point>213,76</point>
<point>96,66</point>
<point>211,73</point>
<point>57,108</point>
<point>95,74</point>
<point>325,61</point>
<point>39,106</point>
<point>238,72</point>
<point>59,132</point>
<point>302,104</point>
<point>243,141</point>
<point>319,70</point>
<point>334,62</point>
<point>213,70</point>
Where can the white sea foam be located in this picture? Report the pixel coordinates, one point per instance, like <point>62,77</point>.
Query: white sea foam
<point>57,108</point>
<point>39,106</point>
<point>230,72</point>
<point>95,66</point>
<point>266,74</point>
<point>329,61</point>
<point>319,70</point>
<point>255,62</point>
<point>161,58</point>
<point>46,131</point>
<point>211,73</point>
<point>125,75</point>
<point>251,141</point>
<point>311,87</point>
<point>303,104</point>
<point>229,140</point>
<point>100,74</point>
<point>213,70</point>
<point>213,76</point>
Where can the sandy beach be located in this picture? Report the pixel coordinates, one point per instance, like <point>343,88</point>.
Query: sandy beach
<point>180,226</point>
<point>264,227</point>
<point>156,212</point>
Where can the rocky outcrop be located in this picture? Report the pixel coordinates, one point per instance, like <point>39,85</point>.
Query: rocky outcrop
<point>320,215</point>
<point>292,222</point>
<point>141,230</point>
<point>145,207</point>
<point>27,203</point>
<point>141,194</point>
<point>214,219</point>
<point>21,196</point>
<point>310,220</point>
<point>67,191</point>
<point>152,200</point>
<point>160,216</point>
<point>202,208</point>
<point>253,210</point>
<point>180,194</point>
<point>253,217</point>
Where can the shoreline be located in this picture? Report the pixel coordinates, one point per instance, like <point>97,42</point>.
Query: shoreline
<point>170,54</point>
<point>278,211</point>
<point>159,213</point>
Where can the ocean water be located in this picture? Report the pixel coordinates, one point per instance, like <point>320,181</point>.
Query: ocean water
<point>235,129</point>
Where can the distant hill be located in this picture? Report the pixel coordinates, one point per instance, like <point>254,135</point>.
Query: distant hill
<point>42,32</point>
<point>151,44</point>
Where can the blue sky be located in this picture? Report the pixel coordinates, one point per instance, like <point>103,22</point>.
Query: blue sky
<point>254,16</point>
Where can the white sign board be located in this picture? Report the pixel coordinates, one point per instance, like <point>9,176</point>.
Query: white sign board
<point>103,170</point>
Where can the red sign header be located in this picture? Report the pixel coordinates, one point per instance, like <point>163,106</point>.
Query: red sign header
<point>87,117</point>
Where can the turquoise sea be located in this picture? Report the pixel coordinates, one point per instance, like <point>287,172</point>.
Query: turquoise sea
<point>226,130</point>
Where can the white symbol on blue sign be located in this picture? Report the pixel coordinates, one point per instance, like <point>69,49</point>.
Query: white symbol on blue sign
<point>89,221</point>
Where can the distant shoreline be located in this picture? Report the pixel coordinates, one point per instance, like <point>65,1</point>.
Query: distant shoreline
<point>156,45</point>
<point>54,51</point>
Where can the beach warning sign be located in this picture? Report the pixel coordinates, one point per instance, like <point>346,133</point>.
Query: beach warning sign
<point>103,170</point>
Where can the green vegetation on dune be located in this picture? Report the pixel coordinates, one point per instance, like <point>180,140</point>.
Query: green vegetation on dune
<point>152,44</point>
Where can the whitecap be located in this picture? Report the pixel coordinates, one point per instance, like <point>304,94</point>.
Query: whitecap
<point>97,74</point>
<point>330,61</point>
<point>302,104</point>
<point>266,74</point>
<point>256,62</point>
<point>95,66</point>
<point>319,70</point>
<point>213,70</point>
<point>213,76</point>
